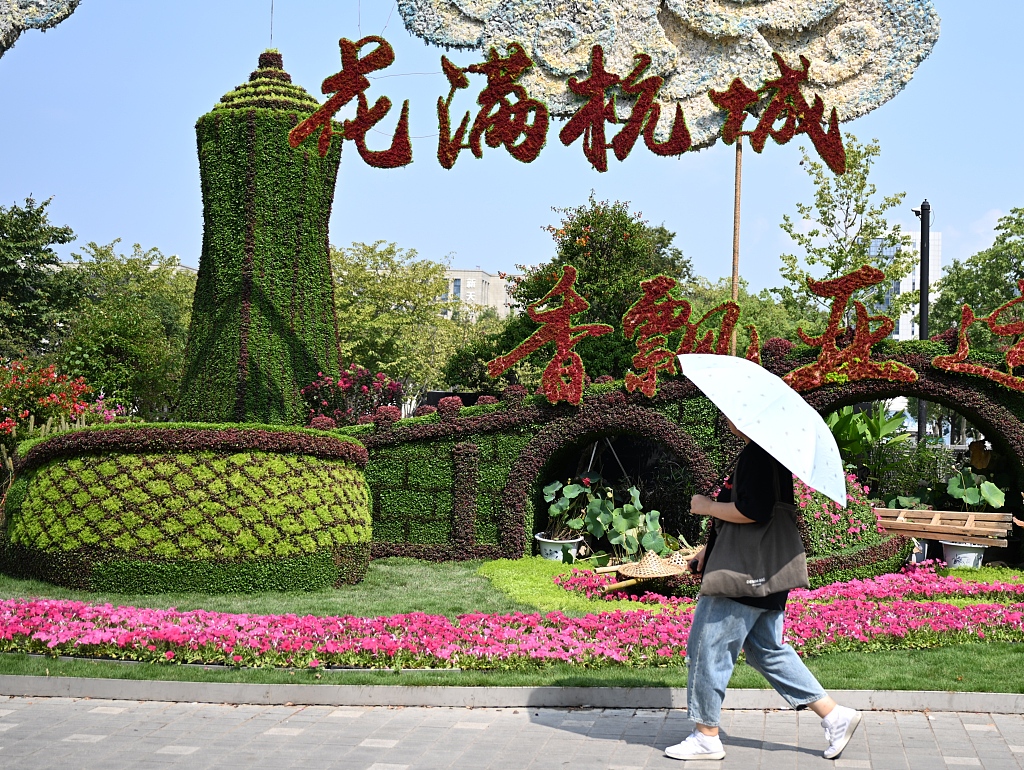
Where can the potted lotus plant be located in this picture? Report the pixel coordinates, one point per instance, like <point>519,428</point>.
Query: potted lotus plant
<point>567,503</point>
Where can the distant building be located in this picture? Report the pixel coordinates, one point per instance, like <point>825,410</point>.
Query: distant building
<point>478,289</point>
<point>906,327</point>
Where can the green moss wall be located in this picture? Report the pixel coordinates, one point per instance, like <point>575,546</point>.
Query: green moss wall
<point>263,323</point>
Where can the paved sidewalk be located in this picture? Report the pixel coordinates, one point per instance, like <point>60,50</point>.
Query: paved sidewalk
<point>63,733</point>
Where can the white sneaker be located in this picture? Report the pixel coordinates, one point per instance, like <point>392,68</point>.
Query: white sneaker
<point>697,746</point>
<point>839,726</point>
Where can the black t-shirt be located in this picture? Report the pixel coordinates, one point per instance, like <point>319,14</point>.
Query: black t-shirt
<point>755,499</point>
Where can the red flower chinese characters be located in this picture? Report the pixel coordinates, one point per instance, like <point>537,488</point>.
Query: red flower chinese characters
<point>589,121</point>
<point>957,362</point>
<point>659,314</point>
<point>787,104</point>
<point>500,120</point>
<point>352,83</point>
<point>563,376</point>
<point>835,364</point>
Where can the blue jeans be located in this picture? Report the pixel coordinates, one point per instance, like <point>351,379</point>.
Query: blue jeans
<point>721,628</point>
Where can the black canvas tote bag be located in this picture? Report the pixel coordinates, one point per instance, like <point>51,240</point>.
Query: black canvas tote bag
<point>756,560</point>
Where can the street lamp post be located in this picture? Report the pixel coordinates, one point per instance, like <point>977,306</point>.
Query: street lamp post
<point>925,214</point>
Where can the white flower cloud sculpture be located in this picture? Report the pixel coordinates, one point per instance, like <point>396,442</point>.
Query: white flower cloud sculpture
<point>18,15</point>
<point>862,52</point>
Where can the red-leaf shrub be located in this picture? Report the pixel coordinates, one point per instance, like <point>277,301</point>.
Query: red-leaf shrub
<point>424,410</point>
<point>366,419</point>
<point>386,416</point>
<point>484,400</point>
<point>513,395</point>
<point>604,378</point>
<point>777,347</point>
<point>449,407</point>
<point>322,422</point>
<point>355,393</point>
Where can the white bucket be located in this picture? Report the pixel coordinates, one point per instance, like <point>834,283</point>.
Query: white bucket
<point>552,549</point>
<point>962,554</point>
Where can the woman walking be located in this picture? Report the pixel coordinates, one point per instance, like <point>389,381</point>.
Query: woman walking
<point>724,625</point>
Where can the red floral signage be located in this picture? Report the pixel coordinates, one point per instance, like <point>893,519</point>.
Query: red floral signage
<point>352,83</point>
<point>508,117</point>
<point>787,104</point>
<point>589,121</point>
<point>659,314</point>
<point>563,377</point>
<point>838,364</point>
<point>957,362</point>
<point>500,121</point>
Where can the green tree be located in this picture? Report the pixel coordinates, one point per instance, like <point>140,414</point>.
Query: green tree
<point>613,250</point>
<point>33,298</point>
<point>984,281</point>
<point>390,304</point>
<point>848,229</point>
<point>127,337</point>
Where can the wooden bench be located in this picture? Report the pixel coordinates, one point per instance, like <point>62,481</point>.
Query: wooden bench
<point>989,529</point>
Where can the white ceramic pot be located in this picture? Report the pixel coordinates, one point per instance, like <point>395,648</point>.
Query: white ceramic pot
<point>962,554</point>
<point>552,549</point>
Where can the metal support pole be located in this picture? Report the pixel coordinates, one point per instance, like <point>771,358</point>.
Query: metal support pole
<point>736,234</point>
<point>923,282</point>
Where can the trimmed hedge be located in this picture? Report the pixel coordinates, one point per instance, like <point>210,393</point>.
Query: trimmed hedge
<point>263,319</point>
<point>176,509</point>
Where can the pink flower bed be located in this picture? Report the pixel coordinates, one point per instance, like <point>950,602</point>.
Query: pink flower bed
<point>861,615</point>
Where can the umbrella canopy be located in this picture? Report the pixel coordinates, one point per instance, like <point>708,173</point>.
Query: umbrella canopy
<point>774,416</point>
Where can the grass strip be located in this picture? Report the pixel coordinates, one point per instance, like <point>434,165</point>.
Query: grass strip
<point>393,586</point>
<point>961,668</point>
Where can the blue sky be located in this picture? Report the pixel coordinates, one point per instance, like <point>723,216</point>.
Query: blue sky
<point>100,112</point>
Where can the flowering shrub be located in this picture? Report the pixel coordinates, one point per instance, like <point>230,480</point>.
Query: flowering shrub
<point>386,416</point>
<point>777,347</point>
<point>449,407</point>
<point>102,411</point>
<point>864,616</point>
<point>831,528</point>
<point>39,393</point>
<point>355,393</point>
<point>513,395</point>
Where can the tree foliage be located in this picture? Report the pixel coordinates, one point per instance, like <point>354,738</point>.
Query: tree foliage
<point>613,250</point>
<point>33,298</point>
<point>127,335</point>
<point>984,281</point>
<point>847,229</point>
<point>390,304</point>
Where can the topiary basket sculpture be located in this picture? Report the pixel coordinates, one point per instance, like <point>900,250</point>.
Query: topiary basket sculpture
<point>149,509</point>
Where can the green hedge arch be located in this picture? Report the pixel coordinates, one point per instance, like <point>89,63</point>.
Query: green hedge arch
<point>151,509</point>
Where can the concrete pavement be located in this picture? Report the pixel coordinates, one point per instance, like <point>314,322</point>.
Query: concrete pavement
<point>49,733</point>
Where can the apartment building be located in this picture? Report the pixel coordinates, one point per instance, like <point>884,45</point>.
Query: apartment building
<point>479,289</point>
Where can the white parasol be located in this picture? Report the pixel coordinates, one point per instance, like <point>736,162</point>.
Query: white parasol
<point>774,416</point>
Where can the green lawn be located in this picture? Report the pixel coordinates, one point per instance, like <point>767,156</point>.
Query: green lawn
<point>964,668</point>
<point>392,587</point>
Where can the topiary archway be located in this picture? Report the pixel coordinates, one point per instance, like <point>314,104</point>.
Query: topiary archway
<point>592,422</point>
<point>984,403</point>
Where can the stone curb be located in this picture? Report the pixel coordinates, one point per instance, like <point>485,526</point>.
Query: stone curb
<point>482,697</point>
